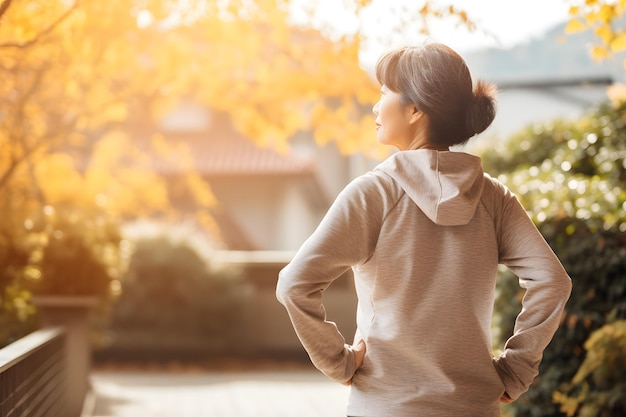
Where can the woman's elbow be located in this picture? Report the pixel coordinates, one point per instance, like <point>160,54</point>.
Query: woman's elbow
<point>284,288</point>
<point>567,285</point>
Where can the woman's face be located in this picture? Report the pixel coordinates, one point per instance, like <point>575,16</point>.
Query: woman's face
<point>393,125</point>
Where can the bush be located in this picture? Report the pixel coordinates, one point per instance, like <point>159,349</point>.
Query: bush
<point>571,176</point>
<point>176,298</point>
<point>58,252</point>
<point>599,387</point>
<point>596,261</point>
<point>16,312</point>
<point>75,254</point>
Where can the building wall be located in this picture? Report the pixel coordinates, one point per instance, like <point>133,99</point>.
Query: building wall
<point>521,107</point>
<point>275,213</point>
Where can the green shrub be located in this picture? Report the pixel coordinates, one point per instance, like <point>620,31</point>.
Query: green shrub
<point>16,312</point>
<point>596,261</point>
<point>571,176</point>
<point>176,297</point>
<point>60,252</point>
<point>598,389</point>
<point>78,253</point>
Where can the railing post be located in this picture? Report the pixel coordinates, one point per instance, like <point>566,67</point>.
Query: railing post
<point>72,314</point>
<point>33,375</point>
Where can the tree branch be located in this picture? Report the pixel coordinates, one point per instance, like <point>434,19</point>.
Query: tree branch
<point>33,179</point>
<point>4,7</point>
<point>44,32</point>
<point>27,152</point>
<point>16,161</point>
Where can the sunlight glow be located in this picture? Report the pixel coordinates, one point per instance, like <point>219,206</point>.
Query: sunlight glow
<point>144,19</point>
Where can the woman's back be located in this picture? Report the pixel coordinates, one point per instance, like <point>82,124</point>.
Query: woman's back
<point>426,294</point>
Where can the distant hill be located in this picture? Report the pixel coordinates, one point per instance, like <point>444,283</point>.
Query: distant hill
<point>554,55</point>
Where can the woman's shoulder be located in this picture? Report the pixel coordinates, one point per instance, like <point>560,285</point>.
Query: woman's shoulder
<point>494,185</point>
<point>373,181</point>
<point>496,195</point>
<point>371,186</point>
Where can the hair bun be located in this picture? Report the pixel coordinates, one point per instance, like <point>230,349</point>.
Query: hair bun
<point>482,108</point>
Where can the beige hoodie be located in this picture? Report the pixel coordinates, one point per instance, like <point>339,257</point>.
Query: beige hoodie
<point>424,233</point>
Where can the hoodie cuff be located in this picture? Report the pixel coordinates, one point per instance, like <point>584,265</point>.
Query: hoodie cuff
<point>344,367</point>
<point>514,385</point>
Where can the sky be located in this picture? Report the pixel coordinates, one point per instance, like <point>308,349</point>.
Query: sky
<point>501,23</point>
<point>509,21</point>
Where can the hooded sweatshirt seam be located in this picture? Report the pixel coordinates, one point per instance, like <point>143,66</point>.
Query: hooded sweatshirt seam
<point>439,198</point>
<point>494,213</point>
<point>391,208</point>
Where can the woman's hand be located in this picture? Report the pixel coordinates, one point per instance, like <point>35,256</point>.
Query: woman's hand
<point>359,355</point>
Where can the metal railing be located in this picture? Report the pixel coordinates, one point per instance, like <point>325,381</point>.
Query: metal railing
<point>33,375</point>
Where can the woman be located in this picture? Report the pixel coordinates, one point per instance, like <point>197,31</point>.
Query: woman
<point>424,233</point>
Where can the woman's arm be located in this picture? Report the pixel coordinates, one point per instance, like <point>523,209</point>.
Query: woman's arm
<point>525,252</point>
<point>346,237</point>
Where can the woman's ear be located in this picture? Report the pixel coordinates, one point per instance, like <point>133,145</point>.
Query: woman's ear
<point>414,114</point>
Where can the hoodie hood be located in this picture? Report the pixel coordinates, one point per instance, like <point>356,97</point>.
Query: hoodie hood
<point>445,185</point>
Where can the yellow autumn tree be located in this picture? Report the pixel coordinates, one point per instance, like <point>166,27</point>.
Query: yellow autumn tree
<point>601,17</point>
<point>72,75</point>
<point>81,76</point>
<point>85,83</point>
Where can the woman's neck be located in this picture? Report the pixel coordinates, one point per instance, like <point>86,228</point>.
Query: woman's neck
<point>421,141</point>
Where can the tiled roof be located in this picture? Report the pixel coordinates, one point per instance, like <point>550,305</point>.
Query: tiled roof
<point>236,155</point>
<point>226,153</point>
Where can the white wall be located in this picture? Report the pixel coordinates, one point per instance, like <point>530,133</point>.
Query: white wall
<point>520,107</point>
<point>274,212</point>
<point>298,216</point>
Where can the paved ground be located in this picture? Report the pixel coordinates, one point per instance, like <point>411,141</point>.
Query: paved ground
<point>217,394</point>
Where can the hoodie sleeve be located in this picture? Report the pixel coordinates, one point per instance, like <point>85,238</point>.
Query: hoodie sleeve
<point>525,252</point>
<point>346,237</point>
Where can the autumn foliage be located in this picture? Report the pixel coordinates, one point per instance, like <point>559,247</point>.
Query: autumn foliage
<point>83,87</point>
<point>602,17</point>
<point>86,83</point>
<point>83,82</point>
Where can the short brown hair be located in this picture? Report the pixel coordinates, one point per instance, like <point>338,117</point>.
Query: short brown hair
<point>436,79</point>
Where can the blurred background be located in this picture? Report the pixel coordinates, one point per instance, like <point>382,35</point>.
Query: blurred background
<point>165,158</point>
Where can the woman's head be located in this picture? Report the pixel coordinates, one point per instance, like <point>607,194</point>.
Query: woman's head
<point>436,80</point>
